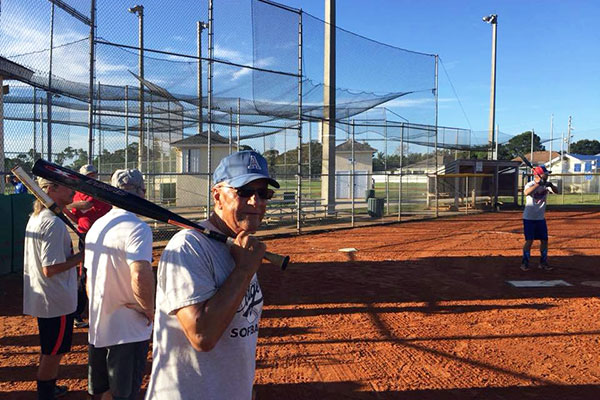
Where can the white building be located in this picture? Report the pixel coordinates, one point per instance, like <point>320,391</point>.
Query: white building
<point>363,168</point>
<point>576,164</point>
<point>192,159</point>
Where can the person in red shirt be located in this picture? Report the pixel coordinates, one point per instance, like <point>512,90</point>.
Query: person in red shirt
<point>85,210</point>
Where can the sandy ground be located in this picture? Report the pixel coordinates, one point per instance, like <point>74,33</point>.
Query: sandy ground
<point>422,311</point>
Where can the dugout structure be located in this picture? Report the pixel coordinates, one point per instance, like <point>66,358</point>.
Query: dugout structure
<point>470,184</point>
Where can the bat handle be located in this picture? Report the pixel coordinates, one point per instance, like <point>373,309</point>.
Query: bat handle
<point>276,259</point>
<point>280,261</point>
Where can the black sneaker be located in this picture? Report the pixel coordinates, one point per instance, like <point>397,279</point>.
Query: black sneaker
<point>79,323</point>
<point>544,266</point>
<point>525,266</point>
<point>60,391</point>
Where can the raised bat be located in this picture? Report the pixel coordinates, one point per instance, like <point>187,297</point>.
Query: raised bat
<point>43,197</point>
<point>530,165</point>
<point>131,202</point>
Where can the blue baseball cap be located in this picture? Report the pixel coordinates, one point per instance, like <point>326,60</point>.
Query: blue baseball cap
<point>241,168</point>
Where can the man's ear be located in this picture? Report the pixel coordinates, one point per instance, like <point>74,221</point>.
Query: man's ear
<point>216,195</point>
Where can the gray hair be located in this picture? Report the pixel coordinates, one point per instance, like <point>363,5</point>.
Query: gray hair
<point>130,180</point>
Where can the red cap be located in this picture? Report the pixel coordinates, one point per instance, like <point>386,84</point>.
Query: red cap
<point>541,170</point>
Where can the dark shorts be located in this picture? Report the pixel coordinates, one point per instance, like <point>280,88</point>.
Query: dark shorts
<point>56,334</point>
<point>535,229</point>
<point>119,368</point>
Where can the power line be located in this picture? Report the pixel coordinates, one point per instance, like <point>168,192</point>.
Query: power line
<point>455,94</point>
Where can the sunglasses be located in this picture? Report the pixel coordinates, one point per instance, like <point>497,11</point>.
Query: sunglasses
<point>246,193</point>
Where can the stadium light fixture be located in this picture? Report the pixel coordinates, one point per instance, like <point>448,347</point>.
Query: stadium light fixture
<point>492,19</point>
<point>138,9</point>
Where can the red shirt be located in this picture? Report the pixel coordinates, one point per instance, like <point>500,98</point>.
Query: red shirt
<point>85,218</point>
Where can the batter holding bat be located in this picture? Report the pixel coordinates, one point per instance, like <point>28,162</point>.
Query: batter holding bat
<point>534,216</point>
<point>208,297</point>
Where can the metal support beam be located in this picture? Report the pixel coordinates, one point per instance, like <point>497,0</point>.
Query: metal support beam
<point>92,25</point>
<point>73,12</point>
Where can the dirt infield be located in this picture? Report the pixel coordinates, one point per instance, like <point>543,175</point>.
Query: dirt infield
<point>423,311</point>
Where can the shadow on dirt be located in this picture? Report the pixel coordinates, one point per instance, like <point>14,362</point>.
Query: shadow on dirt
<point>427,280</point>
<point>352,391</point>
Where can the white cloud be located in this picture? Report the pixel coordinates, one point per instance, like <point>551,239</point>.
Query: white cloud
<point>240,73</point>
<point>231,55</point>
<point>416,102</point>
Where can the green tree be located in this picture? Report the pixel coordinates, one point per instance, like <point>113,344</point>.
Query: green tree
<point>585,146</point>
<point>286,163</point>
<point>520,144</point>
<point>25,160</point>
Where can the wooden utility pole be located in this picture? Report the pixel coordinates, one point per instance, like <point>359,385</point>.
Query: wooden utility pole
<point>329,112</point>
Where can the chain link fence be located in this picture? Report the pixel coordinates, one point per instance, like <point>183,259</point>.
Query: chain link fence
<point>244,74</point>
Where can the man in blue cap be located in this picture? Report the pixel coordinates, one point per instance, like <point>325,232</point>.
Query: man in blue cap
<point>208,297</point>
<point>534,217</point>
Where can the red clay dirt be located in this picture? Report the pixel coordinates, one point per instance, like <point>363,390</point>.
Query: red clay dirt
<point>422,311</point>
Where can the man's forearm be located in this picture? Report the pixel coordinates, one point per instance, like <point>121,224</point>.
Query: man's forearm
<point>80,205</point>
<point>142,283</point>
<point>219,310</point>
<point>205,323</point>
<point>72,261</point>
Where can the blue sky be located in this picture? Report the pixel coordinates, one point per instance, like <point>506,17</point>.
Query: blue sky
<point>547,57</point>
<point>548,60</point>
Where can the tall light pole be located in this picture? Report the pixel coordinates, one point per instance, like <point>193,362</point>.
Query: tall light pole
<point>493,20</point>
<point>139,10</point>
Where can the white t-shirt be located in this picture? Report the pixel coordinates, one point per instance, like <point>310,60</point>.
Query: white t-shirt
<point>535,203</point>
<point>114,242</point>
<point>191,270</point>
<point>47,243</point>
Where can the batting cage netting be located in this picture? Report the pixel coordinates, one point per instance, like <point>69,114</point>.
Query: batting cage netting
<point>176,87</point>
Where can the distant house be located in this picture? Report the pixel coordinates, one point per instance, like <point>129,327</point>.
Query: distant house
<point>569,164</point>
<point>192,158</point>
<point>541,158</point>
<point>363,168</point>
<point>579,163</point>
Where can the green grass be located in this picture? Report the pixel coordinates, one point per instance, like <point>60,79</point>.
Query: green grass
<point>312,189</point>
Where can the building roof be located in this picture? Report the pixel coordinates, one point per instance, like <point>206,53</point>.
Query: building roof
<point>586,157</point>
<point>539,157</point>
<point>358,147</point>
<point>200,139</point>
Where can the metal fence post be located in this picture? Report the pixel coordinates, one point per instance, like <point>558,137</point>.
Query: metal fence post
<point>352,169</point>
<point>299,171</point>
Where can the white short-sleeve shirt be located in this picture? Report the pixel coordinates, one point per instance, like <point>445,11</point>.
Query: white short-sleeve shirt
<point>535,203</point>
<point>191,270</point>
<point>114,242</point>
<point>47,243</point>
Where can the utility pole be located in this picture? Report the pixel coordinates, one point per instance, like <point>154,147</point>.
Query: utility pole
<point>139,11</point>
<point>562,151</point>
<point>329,111</point>
<point>200,26</point>
<point>531,154</point>
<point>551,139</point>
<point>496,136</point>
<point>492,19</point>
<point>569,129</point>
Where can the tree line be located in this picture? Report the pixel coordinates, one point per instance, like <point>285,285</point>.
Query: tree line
<point>286,162</point>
